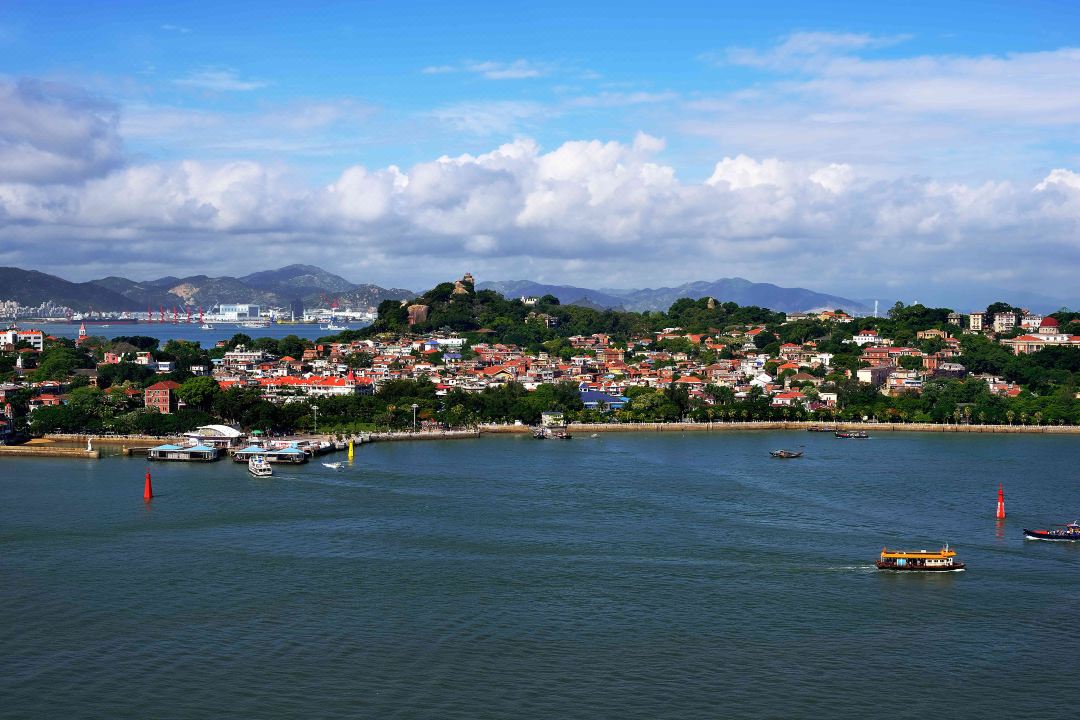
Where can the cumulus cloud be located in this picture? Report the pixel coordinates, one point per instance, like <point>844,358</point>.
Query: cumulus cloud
<point>53,133</point>
<point>576,209</point>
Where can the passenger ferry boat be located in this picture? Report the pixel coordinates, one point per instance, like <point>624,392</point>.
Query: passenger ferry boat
<point>1069,532</point>
<point>259,467</point>
<point>943,560</point>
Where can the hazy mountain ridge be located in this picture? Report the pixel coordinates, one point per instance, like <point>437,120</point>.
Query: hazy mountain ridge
<point>278,288</point>
<point>735,290</point>
<point>567,294</point>
<point>32,288</point>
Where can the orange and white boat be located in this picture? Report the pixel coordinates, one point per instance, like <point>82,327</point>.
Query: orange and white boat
<point>943,560</point>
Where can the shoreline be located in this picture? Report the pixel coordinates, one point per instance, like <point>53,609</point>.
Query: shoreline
<point>73,446</point>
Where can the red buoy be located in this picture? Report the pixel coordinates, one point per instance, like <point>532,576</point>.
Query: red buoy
<point>1001,503</point>
<point>148,490</point>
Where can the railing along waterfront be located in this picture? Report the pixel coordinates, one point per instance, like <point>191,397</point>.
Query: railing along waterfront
<point>793,425</point>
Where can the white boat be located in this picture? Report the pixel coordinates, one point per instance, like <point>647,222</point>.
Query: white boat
<point>255,324</point>
<point>333,326</point>
<point>206,326</point>
<point>333,466</point>
<point>259,467</point>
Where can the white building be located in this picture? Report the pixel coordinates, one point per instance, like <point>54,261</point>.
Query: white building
<point>1004,321</point>
<point>868,337</point>
<point>237,313</point>
<point>14,336</point>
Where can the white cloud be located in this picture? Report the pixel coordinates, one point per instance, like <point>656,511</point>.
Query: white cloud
<point>584,208</point>
<point>219,80</point>
<point>803,49</point>
<point>55,133</point>
<point>494,70</point>
<point>583,205</point>
<point>490,117</point>
<point>621,99</point>
<point>935,114</point>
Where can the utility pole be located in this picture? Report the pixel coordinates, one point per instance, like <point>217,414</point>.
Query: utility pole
<point>414,406</point>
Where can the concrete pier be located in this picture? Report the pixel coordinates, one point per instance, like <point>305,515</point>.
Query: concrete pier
<point>49,451</point>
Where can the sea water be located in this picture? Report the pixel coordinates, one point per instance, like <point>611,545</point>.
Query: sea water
<point>632,575</point>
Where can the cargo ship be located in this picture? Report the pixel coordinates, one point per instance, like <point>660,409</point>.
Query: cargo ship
<point>943,560</point>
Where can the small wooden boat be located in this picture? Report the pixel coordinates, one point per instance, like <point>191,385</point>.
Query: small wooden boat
<point>851,434</point>
<point>943,560</point>
<point>1069,532</point>
<point>785,453</point>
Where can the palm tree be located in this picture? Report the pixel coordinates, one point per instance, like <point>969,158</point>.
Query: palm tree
<point>1010,415</point>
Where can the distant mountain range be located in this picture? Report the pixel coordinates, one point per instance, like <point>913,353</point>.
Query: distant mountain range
<point>317,287</point>
<point>735,290</point>
<point>279,288</point>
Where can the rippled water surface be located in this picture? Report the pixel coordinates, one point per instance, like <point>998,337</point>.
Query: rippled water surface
<point>626,576</point>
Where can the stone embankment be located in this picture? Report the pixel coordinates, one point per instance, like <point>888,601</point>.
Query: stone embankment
<point>121,440</point>
<point>780,424</point>
<point>793,425</point>
<point>420,435</point>
<point>46,450</point>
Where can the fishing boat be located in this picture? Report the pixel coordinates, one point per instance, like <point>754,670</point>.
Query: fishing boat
<point>1068,532</point>
<point>851,434</point>
<point>333,465</point>
<point>259,467</point>
<point>785,453</point>
<point>943,560</point>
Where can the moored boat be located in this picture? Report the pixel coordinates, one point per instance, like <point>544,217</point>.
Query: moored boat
<point>1069,532</point>
<point>851,434</point>
<point>820,428</point>
<point>785,453</point>
<point>943,560</point>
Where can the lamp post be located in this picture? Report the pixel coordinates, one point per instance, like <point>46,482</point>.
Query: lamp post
<point>414,406</point>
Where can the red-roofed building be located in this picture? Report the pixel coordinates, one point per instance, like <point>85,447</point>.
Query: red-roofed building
<point>162,396</point>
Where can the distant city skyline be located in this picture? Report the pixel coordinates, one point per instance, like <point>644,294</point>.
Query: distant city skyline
<point>859,151</point>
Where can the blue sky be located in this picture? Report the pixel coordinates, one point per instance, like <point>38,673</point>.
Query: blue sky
<point>928,150</point>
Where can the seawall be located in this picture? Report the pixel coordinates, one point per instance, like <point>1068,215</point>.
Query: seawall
<point>120,440</point>
<point>793,425</point>
<point>48,451</point>
<point>427,435</point>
